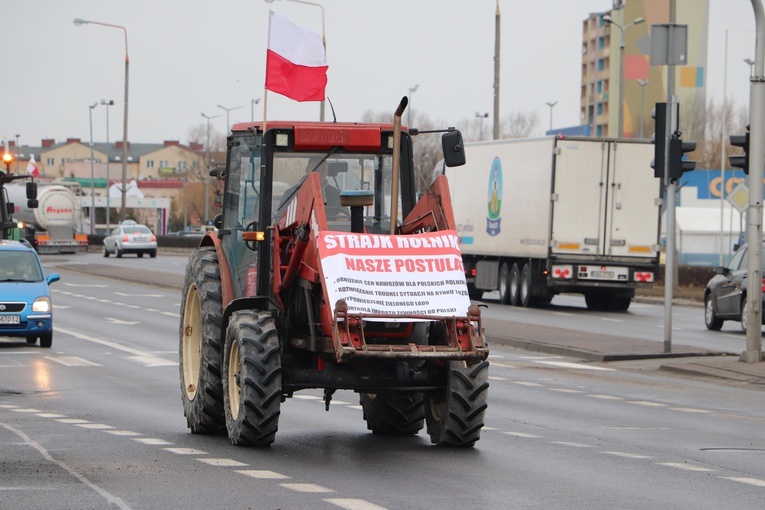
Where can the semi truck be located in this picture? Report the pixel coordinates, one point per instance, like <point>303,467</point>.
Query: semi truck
<point>52,227</point>
<point>542,216</point>
<point>297,291</point>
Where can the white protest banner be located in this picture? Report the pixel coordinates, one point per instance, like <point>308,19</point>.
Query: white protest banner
<point>419,274</point>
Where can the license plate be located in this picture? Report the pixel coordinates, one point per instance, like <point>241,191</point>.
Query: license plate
<point>603,274</point>
<point>140,239</point>
<point>9,319</point>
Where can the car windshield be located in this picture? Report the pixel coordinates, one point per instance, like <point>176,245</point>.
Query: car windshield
<point>19,266</point>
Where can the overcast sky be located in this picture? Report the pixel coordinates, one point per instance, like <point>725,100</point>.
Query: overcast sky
<point>188,56</point>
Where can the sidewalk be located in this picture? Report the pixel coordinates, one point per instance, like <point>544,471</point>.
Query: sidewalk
<point>594,347</point>
<point>588,346</point>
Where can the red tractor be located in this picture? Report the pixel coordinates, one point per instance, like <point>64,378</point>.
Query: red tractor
<point>307,283</point>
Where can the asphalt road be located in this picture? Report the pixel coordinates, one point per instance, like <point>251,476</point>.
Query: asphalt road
<point>96,422</point>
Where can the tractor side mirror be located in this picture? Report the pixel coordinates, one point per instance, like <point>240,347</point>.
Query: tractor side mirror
<point>31,190</point>
<point>454,148</point>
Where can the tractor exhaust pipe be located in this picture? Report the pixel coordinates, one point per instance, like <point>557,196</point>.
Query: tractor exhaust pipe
<point>396,170</point>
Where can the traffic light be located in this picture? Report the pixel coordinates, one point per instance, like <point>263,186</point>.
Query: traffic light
<point>659,138</point>
<point>743,142</point>
<point>677,165</point>
<point>8,159</point>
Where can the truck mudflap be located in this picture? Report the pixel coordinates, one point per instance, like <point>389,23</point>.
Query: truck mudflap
<point>463,338</point>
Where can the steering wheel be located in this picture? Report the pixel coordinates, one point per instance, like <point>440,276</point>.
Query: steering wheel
<point>337,213</point>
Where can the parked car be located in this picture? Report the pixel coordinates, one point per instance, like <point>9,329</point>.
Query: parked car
<point>725,294</point>
<point>130,237</point>
<point>25,305</point>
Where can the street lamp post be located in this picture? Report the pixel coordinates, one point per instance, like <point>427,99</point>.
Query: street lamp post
<point>228,126</point>
<point>622,29</point>
<point>78,22</point>
<point>252,109</point>
<point>551,104</point>
<point>92,172</point>
<point>642,84</point>
<point>108,206</point>
<point>412,90</point>
<point>480,117</point>
<point>750,63</point>
<point>323,41</point>
<point>207,164</point>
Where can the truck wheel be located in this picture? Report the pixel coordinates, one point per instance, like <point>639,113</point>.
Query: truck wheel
<point>200,352</point>
<point>474,293</point>
<point>46,340</point>
<point>455,416</point>
<point>711,320</point>
<point>396,414</point>
<point>621,303</point>
<point>594,301</point>
<point>504,284</point>
<point>252,378</point>
<point>106,252</point>
<point>525,292</point>
<point>515,285</point>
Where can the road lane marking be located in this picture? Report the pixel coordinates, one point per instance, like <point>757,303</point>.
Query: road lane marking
<point>114,500</point>
<point>51,415</point>
<point>578,366</point>
<point>222,462</point>
<point>572,444</point>
<point>95,426</point>
<point>151,440</point>
<point>26,410</point>
<point>689,410</point>
<point>565,390</point>
<point>685,467</point>
<point>115,345</point>
<point>125,294</point>
<point>305,487</point>
<point>72,361</point>
<point>497,378</point>
<point>628,455</point>
<point>186,451</point>
<point>72,421</point>
<point>749,481</point>
<point>122,432</point>
<point>528,383</point>
<point>605,397</point>
<point>354,504</point>
<point>646,403</point>
<point>121,322</point>
<point>152,361</point>
<point>88,285</point>
<point>260,473</point>
<point>611,320</point>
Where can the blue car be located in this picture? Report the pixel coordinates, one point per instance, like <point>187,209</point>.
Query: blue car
<point>25,306</point>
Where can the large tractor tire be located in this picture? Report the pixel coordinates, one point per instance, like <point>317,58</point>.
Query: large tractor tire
<point>252,378</point>
<point>393,414</point>
<point>200,351</point>
<point>455,416</point>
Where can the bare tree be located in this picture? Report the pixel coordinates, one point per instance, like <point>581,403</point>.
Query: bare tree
<point>518,124</point>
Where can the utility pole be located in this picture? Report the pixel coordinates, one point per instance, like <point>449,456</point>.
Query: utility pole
<point>496,73</point>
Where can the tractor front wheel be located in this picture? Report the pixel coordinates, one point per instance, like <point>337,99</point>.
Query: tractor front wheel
<point>252,378</point>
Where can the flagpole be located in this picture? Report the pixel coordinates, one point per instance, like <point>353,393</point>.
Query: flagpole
<point>265,109</point>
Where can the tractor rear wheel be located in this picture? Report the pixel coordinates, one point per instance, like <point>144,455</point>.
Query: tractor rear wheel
<point>252,378</point>
<point>393,414</point>
<point>455,416</point>
<point>200,351</point>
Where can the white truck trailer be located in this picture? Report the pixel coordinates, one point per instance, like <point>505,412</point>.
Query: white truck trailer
<point>53,225</point>
<point>542,216</point>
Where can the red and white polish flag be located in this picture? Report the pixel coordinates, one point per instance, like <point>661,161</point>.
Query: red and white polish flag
<point>295,61</point>
<point>32,167</point>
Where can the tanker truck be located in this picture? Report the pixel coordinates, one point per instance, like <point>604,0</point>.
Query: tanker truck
<point>52,226</point>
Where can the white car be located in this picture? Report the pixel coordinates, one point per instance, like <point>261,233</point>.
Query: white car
<point>130,237</point>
